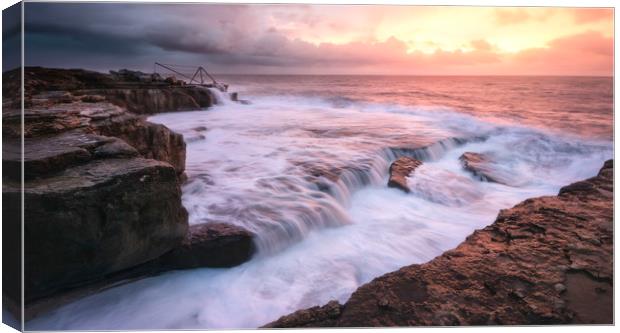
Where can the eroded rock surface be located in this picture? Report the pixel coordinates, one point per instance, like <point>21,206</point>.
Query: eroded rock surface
<point>102,185</point>
<point>316,316</point>
<point>400,170</point>
<point>483,167</point>
<point>131,91</point>
<point>62,135</point>
<point>153,100</point>
<point>547,260</point>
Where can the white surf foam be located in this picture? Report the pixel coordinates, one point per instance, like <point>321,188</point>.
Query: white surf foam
<point>319,241</point>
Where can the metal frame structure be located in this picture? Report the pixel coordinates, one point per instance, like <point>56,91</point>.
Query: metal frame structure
<point>198,78</point>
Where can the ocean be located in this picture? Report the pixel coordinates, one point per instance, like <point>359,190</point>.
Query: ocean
<point>304,166</point>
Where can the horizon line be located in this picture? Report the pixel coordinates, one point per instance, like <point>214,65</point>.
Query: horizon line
<point>344,74</point>
<point>424,75</point>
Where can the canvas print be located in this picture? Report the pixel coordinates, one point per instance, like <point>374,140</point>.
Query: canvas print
<point>236,166</point>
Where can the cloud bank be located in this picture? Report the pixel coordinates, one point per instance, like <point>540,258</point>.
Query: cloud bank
<point>284,39</point>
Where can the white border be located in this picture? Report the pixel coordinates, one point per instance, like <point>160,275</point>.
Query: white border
<point>554,3</point>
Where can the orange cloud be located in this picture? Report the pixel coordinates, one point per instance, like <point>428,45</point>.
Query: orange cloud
<point>588,15</point>
<point>511,16</point>
<point>587,53</point>
<point>481,44</point>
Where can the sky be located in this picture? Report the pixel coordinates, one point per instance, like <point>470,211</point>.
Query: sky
<point>322,39</point>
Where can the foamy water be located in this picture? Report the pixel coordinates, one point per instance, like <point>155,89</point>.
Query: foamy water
<point>308,175</point>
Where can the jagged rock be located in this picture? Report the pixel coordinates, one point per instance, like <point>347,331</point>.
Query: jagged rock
<point>102,189</point>
<point>134,76</point>
<point>211,245</point>
<point>93,219</point>
<point>482,166</point>
<point>39,79</point>
<point>536,264</point>
<point>400,170</point>
<point>50,121</point>
<point>134,91</point>
<point>317,316</point>
<point>154,141</point>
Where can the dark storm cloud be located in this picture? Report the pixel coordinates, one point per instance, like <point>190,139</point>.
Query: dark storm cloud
<point>109,35</point>
<point>57,33</point>
<point>178,40</point>
<point>11,37</point>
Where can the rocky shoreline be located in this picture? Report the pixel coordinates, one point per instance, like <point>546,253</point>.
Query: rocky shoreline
<point>103,207</point>
<point>548,260</point>
<point>102,186</point>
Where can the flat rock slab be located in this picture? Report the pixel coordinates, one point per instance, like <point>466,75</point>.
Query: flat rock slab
<point>548,260</point>
<point>211,245</point>
<point>400,170</point>
<point>97,218</point>
<point>47,155</point>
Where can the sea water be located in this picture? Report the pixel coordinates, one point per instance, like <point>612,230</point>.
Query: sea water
<point>304,166</point>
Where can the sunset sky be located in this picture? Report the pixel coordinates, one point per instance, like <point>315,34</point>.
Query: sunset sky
<point>323,39</point>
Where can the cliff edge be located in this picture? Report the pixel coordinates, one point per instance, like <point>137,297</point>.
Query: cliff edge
<point>102,186</point>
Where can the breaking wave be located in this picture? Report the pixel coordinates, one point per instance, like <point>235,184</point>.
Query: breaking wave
<point>307,175</point>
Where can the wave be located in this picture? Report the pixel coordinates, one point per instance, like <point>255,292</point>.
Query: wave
<point>308,176</point>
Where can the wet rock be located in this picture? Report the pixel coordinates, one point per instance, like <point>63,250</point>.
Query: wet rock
<point>400,170</point>
<point>482,166</point>
<point>102,186</point>
<point>495,278</point>
<point>204,245</point>
<point>195,138</point>
<point>211,245</point>
<point>200,128</point>
<point>97,218</point>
